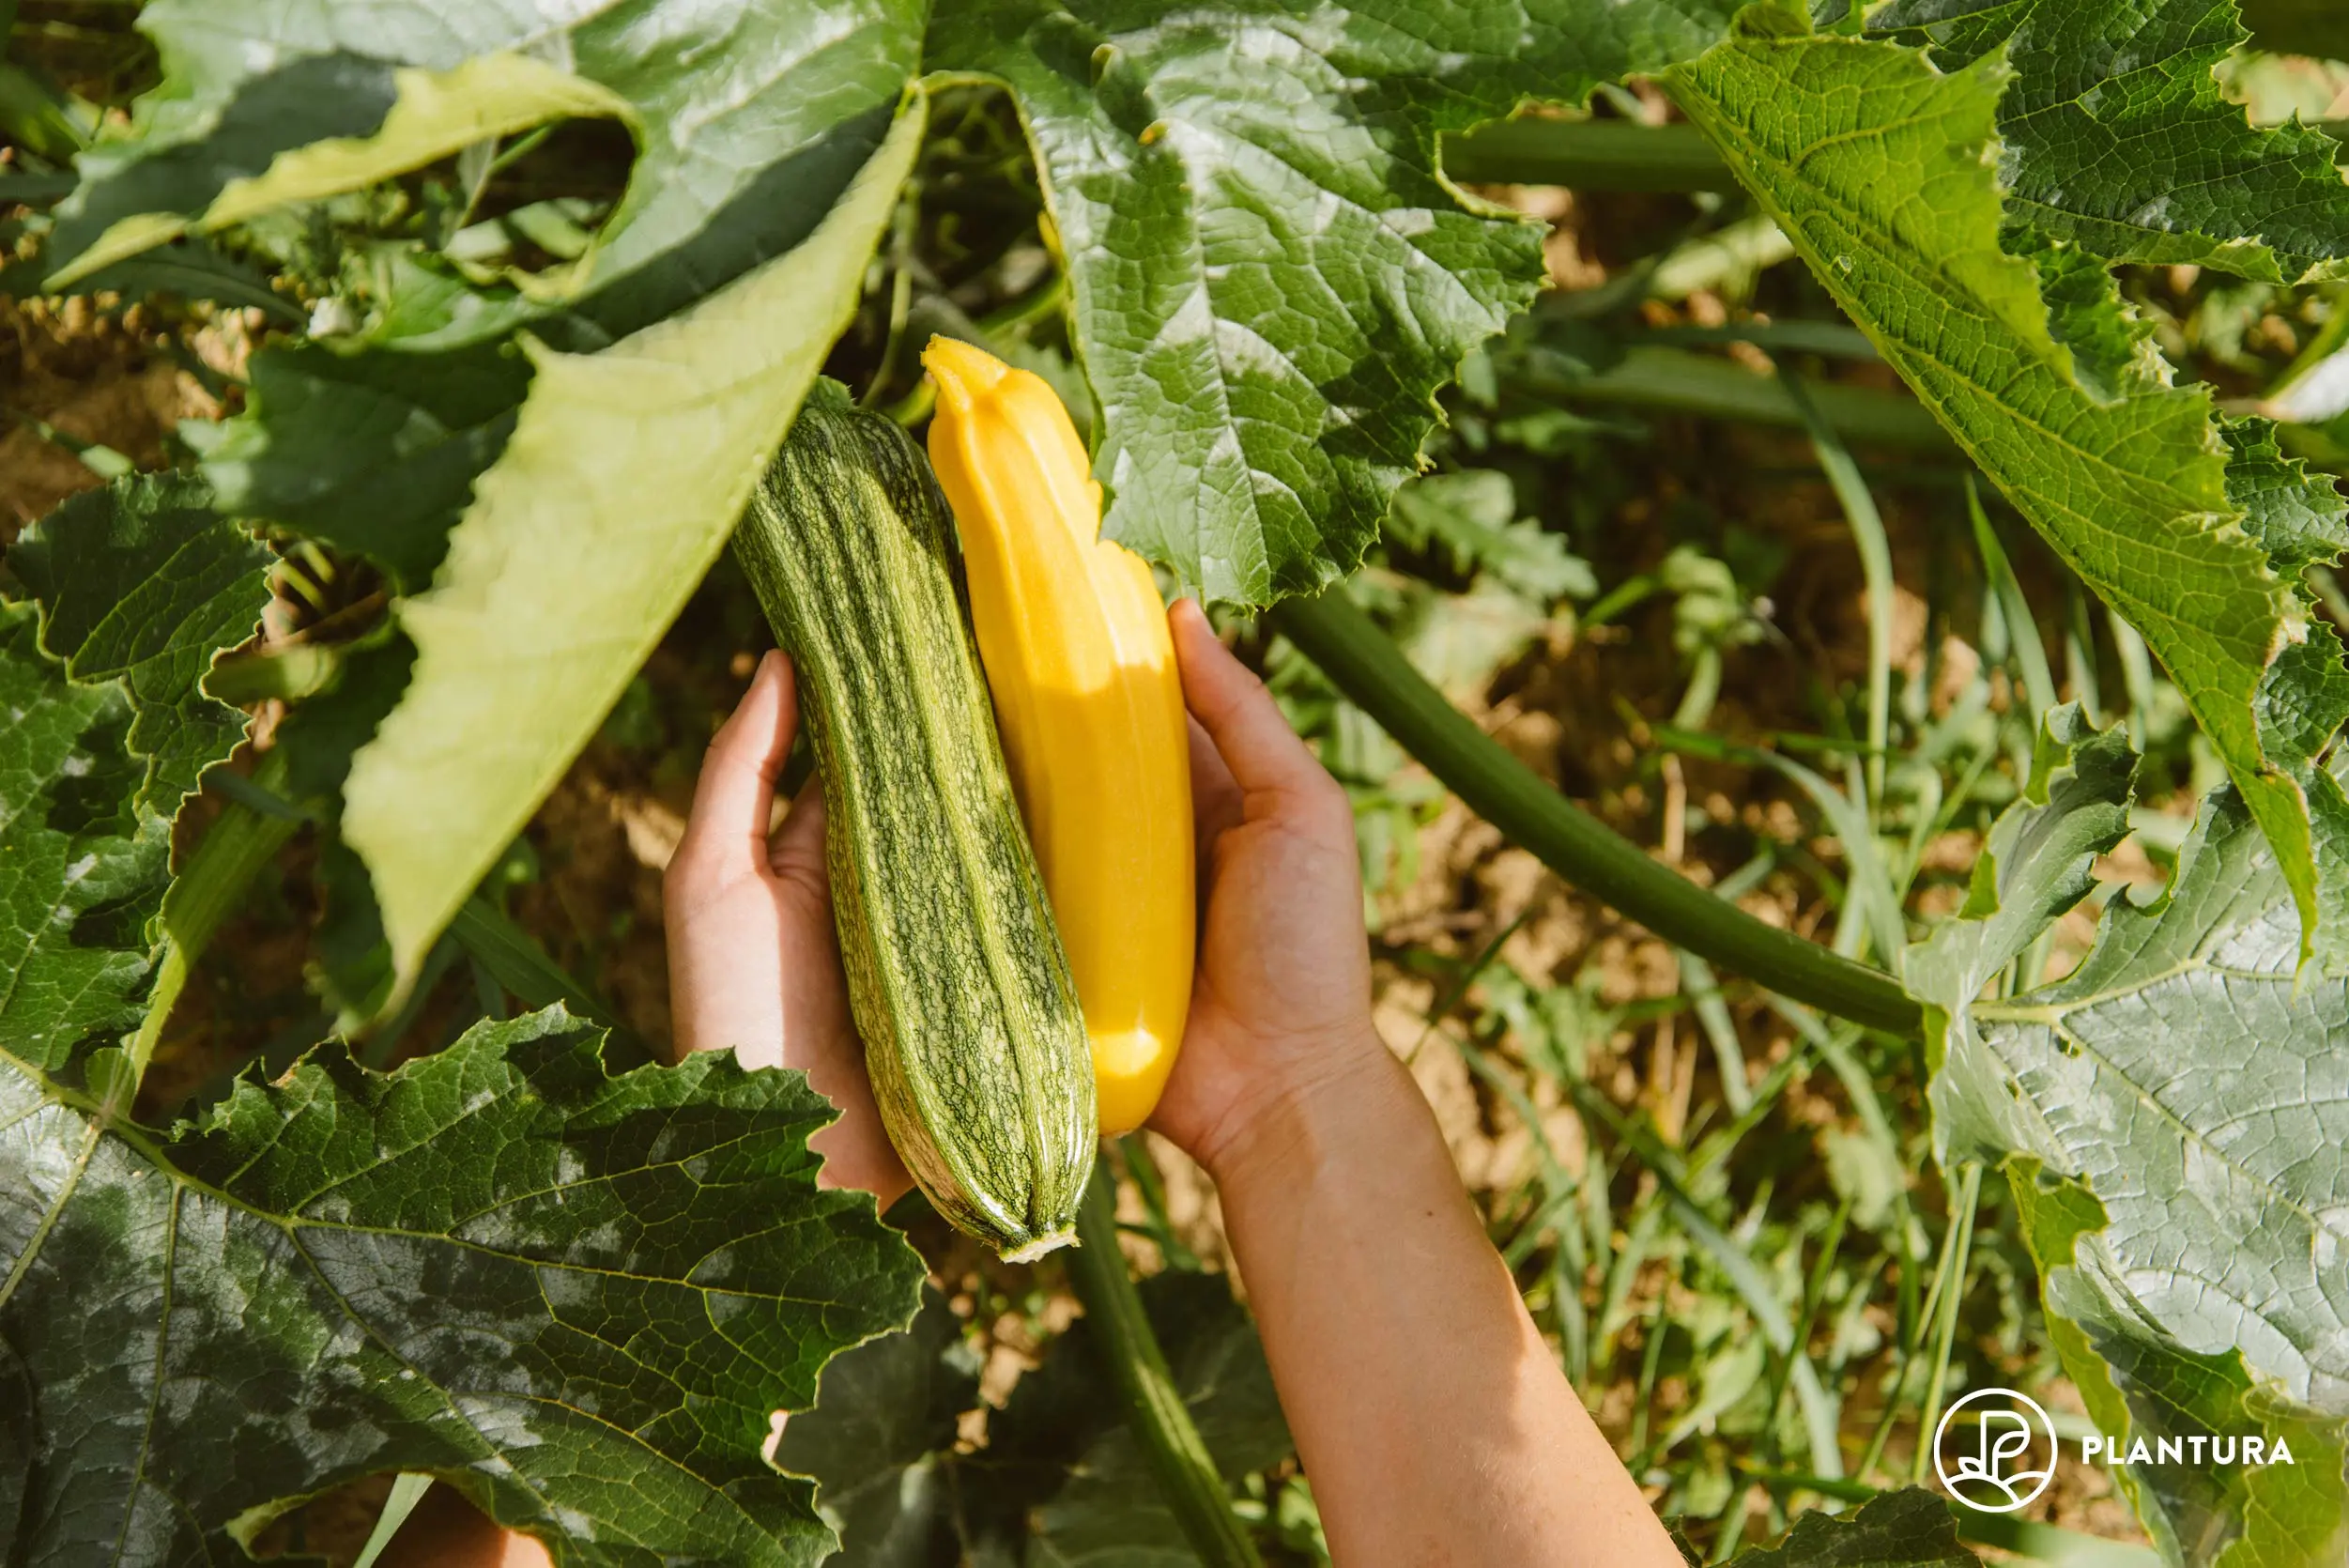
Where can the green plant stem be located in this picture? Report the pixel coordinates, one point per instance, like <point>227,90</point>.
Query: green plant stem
<point>1945,1330</point>
<point>1154,1407</point>
<point>1371,670</point>
<point>1588,155</point>
<point>1673,381</point>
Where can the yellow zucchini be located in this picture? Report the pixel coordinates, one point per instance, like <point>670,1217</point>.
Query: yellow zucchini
<point>1088,704</point>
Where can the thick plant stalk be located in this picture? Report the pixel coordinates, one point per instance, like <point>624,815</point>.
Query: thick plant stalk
<point>1588,155</point>
<point>1154,1407</point>
<point>1371,670</point>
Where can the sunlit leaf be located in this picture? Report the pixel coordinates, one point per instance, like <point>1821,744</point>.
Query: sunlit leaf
<point>2118,136</point>
<point>1884,173</point>
<point>626,473</point>
<point>1269,280</point>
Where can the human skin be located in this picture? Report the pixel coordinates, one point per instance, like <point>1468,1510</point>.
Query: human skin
<point>1434,1422</point>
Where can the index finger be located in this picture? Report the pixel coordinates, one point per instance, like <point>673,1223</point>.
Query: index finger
<point>1238,714</point>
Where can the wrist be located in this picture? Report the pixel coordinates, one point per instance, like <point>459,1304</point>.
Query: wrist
<point>1300,1123</point>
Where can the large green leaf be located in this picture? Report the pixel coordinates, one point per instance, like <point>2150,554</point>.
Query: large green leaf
<point>1269,279</point>
<point>624,474</point>
<point>373,452</point>
<point>1908,1529</point>
<point>739,112</point>
<point>574,1297</point>
<point>2142,1387</point>
<point>1884,171</point>
<point>140,585</point>
<point>880,1442</point>
<point>2117,135</point>
<point>2171,1118</point>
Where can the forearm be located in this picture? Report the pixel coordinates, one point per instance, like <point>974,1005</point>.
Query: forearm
<point>1433,1420</point>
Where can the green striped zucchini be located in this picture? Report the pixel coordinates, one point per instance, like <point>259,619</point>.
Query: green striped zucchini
<point>973,1032</point>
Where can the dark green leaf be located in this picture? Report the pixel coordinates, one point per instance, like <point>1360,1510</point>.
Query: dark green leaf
<point>576,1297</point>
<point>142,586</point>
<point>143,582</point>
<point>879,1442</point>
<point>1908,1529</point>
<point>2118,137</point>
<point>373,452</point>
<point>1269,281</point>
<point>1111,1511</point>
<point>736,113</point>
<point>2300,26</point>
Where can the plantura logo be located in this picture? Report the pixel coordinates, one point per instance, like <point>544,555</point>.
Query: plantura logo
<point>1995,1451</point>
<point>2199,1449</point>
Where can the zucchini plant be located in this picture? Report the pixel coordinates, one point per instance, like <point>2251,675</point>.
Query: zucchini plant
<point>580,1286</point>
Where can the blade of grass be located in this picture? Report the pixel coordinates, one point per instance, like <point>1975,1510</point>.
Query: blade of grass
<point>1673,381</point>
<point>1945,1330</point>
<point>1736,1264</point>
<point>1712,1016</point>
<point>2023,631</point>
<point>1867,533</point>
<point>2137,677</point>
<point>406,1492</point>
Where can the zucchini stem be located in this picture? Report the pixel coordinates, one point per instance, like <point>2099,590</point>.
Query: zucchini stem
<point>1365,665</point>
<point>1153,1405</point>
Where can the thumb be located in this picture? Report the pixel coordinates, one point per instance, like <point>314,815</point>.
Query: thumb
<point>796,855</point>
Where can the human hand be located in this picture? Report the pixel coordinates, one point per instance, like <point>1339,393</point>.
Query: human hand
<point>1279,1010</point>
<point>753,958</point>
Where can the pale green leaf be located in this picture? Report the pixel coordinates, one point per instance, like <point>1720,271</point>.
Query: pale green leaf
<point>1269,280</point>
<point>738,111</point>
<point>432,115</point>
<point>623,477</point>
<point>2170,1116</point>
<point>1884,172</point>
<point>1473,516</point>
<point>2140,1386</point>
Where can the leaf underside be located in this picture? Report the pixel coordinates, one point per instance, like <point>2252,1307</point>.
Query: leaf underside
<point>2170,1116</point>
